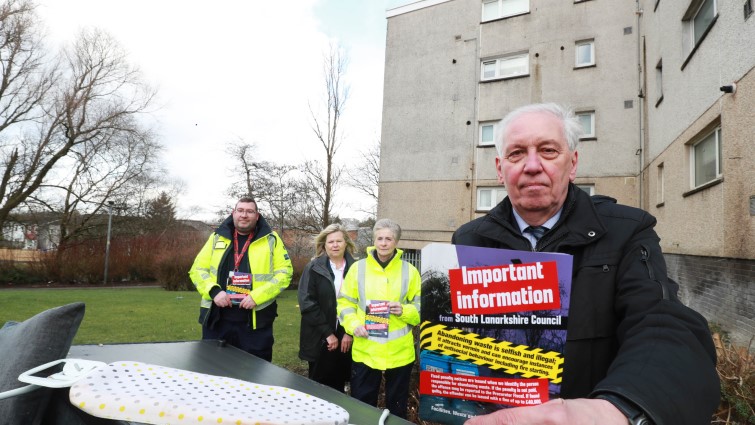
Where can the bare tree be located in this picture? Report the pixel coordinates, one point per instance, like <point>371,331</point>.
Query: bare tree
<point>273,186</point>
<point>121,170</point>
<point>26,83</point>
<point>365,176</point>
<point>242,153</point>
<point>86,122</point>
<point>324,178</point>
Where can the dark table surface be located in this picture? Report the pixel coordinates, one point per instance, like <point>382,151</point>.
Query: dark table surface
<point>212,358</point>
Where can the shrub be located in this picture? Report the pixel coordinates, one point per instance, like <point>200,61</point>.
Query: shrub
<point>19,273</point>
<point>173,261</point>
<point>736,369</point>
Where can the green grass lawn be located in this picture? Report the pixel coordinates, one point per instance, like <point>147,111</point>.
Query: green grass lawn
<point>118,315</point>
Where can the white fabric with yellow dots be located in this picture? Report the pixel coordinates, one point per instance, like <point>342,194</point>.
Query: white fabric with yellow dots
<point>153,394</point>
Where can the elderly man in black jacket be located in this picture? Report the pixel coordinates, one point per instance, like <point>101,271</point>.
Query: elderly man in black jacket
<point>634,353</point>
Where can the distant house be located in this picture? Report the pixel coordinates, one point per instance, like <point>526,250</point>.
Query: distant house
<point>39,231</point>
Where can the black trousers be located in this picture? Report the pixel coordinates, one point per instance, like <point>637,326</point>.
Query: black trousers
<point>365,386</point>
<point>332,368</point>
<point>238,334</point>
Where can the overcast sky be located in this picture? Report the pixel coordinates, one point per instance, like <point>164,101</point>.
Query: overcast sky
<point>241,69</point>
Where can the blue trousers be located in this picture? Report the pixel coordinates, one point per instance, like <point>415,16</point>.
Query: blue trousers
<point>365,386</point>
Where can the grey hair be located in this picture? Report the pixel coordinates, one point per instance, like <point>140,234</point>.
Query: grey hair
<point>323,235</point>
<point>572,127</point>
<point>387,223</point>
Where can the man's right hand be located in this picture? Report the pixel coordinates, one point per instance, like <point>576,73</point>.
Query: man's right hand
<point>556,412</point>
<point>222,299</point>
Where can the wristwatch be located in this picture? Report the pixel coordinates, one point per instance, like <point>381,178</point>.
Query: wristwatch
<point>634,415</point>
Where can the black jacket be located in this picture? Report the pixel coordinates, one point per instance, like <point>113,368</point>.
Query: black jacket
<point>317,302</point>
<point>627,333</point>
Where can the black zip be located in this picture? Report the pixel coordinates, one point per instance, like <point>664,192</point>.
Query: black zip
<point>645,258</point>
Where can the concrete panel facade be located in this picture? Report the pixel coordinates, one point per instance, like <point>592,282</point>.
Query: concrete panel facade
<point>434,101</point>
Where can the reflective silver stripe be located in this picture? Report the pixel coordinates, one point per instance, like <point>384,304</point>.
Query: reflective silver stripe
<point>261,306</point>
<point>361,266</point>
<point>205,303</point>
<point>346,311</point>
<point>417,302</point>
<point>361,271</point>
<point>353,300</point>
<point>404,280</point>
<point>271,244</point>
<point>263,277</point>
<point>392,335</point>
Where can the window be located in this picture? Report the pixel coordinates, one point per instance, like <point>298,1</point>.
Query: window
<point>587,120</point>
<point>659,186</point>
<point>659,82</point>
<point>585,53</point>
<point>505,67</point>
<point>487,134</point>
<point>702,19</point>
<point>488,197</point>
<point>697,20</point>
<point>589,188</point>
<point>706,159</point>
<point>495,9</point>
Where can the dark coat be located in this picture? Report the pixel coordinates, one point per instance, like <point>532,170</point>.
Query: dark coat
<point>317,302</point>
<point>627,332</point>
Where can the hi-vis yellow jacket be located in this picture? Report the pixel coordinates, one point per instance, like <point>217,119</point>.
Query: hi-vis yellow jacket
<point>367,281</point>
<point>268,261</point>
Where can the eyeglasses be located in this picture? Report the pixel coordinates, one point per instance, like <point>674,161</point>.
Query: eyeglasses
<point>242,211</point>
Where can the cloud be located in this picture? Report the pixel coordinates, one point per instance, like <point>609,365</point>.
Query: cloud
<point>238,69</point>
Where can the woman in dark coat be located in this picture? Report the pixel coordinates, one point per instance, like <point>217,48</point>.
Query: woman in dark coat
<point>322,340</point>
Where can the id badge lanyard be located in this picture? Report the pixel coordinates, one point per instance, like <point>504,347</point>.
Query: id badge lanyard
<point>237,256</point>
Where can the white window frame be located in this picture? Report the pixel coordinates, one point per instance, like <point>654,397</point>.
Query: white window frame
<point>698,29</point>
<point>587,187</point>
<point>499,63</point>
<point>715,136</point>
<point>483,142</point>
<point>591,133</point>
<point>497,193</point>
<point>692,30</point>
<point>498,9</point>
<point>660,185</point>
<point>577,48</point>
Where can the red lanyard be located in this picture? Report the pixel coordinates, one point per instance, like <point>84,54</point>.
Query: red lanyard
<point>237,256</point>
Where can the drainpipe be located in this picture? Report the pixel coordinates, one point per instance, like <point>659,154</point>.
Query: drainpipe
<point>641,105</point>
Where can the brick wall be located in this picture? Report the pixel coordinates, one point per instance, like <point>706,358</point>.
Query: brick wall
<point>721,289</point>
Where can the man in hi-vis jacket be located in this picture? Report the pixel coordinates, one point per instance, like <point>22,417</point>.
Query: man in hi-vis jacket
<point>239,272</point>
